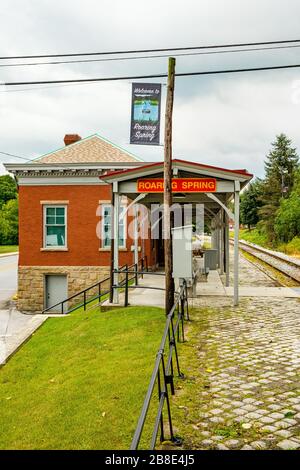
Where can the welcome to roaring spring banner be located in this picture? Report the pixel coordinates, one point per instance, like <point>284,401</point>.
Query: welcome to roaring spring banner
<point>145,113</point>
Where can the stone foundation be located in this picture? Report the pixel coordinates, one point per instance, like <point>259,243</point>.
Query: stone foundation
<point>31,283</point>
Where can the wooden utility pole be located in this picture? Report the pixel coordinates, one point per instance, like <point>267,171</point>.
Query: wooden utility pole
<point>169,297</point>
<point>112,246</point>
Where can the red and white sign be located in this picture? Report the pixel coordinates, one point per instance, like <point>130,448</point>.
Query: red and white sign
<point>179,185</point>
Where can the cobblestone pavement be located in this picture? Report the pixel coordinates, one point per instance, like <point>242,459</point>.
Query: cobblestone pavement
<point>242,366</point>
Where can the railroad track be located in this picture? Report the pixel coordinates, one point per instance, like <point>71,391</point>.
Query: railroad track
<point>283,263</point>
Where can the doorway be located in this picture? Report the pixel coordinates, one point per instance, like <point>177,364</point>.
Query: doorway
<point>56,290</point>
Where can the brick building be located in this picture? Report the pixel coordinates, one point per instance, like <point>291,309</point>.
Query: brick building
<point>69,199</point>
<point>65,219</point>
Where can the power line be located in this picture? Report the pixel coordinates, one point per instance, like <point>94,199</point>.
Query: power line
<point>144,77</point>
<point>15,156</point>
<point>40,88</point>
<point>113,59</point>
<point>144,51</point>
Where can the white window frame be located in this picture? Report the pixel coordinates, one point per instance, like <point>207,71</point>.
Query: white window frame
<point>108,205</point>
<point>54,247</point>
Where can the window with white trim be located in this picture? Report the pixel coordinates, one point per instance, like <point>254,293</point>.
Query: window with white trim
<point>55,226</point>
<point>106,226</point>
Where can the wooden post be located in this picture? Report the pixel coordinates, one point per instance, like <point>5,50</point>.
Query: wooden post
<point>115,241</point>
<point>169,296</point>
<point>136,236</point>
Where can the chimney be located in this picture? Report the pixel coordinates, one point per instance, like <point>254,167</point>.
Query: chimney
<point>71,139</point>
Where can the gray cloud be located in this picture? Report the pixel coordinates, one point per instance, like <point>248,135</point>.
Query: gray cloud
<point>226,120</point>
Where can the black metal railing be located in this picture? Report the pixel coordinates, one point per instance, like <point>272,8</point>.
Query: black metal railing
<point>167,361</point>
<point>85,297</point>
<point>126,281</point>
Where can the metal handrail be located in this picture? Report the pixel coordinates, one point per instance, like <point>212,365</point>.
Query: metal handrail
<point>85,300</point>
<point>128,270</point>
<point>163,374</point>
<point>83,292</point>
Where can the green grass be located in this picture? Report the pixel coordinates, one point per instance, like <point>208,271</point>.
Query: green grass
<point>292,248</point>
<point>8,249</point>
<point>252,236</point>
<point>80,382</point>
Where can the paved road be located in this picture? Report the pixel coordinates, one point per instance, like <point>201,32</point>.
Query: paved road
<point>8,279</point>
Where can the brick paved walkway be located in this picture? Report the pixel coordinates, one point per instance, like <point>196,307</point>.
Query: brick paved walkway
<point>242,366</point>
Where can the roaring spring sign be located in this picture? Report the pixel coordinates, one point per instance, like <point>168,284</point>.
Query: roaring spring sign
<point>179,185</point>
<point>145,114</point>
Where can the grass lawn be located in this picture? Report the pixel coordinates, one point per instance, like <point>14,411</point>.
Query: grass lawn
<point>8,249</point>
<point>80,382</point>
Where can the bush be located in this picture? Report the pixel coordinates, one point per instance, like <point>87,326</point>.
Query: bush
<point>8,189</point>
<point>291,248</point>
<point>287,222</point>
<point>9,226</point>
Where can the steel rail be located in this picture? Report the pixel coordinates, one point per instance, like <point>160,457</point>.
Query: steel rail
<point>277,261</point>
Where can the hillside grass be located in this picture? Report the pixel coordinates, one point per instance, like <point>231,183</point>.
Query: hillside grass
<point>291,248</point>
<point>80,382</point>
<point>8,249</point>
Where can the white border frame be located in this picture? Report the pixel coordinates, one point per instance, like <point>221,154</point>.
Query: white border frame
<point>58,247</point>
<point>108,248</point>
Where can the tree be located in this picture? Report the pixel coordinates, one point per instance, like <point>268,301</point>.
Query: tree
<point>282,164</point>
<point>8,189</point>
<point>250,203</point>
<point>9,226</point>
<point>281,167</point>
<point>287,222</point>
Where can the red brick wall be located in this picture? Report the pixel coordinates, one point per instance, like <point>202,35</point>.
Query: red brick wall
<point>83,243</point>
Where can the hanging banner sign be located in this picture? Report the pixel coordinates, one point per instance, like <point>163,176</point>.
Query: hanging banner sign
<point>145,114</point>
<point>179,185</point>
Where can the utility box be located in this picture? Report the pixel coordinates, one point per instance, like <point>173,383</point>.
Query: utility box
<point>182,252</point>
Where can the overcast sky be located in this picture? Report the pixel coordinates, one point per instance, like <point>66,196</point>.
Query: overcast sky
<point>226,120</point>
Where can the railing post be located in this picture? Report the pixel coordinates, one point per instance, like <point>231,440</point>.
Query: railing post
<point>126,287</point>
<point>62,308</point>
<point>175,348</point>
<point>182,316</point>
<point>142,262</point>
<point>162,434</point>
<point>84,300</point>
<point>170,376</point>
<point>136,275</point>
<point>146,259</point>
<point>111,294</point>
<point>179,316</point>
<point>187,301</point>
<point>99,291</point>
<point>165,391</point>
